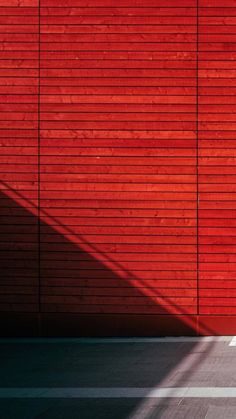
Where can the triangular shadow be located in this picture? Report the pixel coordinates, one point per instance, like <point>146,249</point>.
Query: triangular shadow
<point>75,287</point>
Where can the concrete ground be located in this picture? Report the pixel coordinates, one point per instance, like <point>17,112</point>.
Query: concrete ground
<point>165,378</point>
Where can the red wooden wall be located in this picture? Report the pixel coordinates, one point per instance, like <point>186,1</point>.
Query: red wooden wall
<point>118,167</point>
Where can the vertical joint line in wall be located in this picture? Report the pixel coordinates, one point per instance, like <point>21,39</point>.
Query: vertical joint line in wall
<point>197,158</point>
<point>39,239</point>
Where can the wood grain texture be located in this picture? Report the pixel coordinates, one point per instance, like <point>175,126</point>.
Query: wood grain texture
<point>216,148</point>
<point>19,155</point>
<point>117,134</point>
<point>118,122</point>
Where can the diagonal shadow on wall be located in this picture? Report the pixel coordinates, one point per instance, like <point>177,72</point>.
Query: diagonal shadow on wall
<point>73,287</point>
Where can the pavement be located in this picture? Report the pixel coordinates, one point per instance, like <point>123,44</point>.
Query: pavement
<point>168,378</point>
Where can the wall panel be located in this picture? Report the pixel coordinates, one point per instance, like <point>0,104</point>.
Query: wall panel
<point>118,157</point>
<point>217,149</point>
<point>118,166</point>
<point>19,81</point>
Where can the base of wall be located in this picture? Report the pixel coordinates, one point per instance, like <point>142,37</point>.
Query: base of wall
<point>61,324</point>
